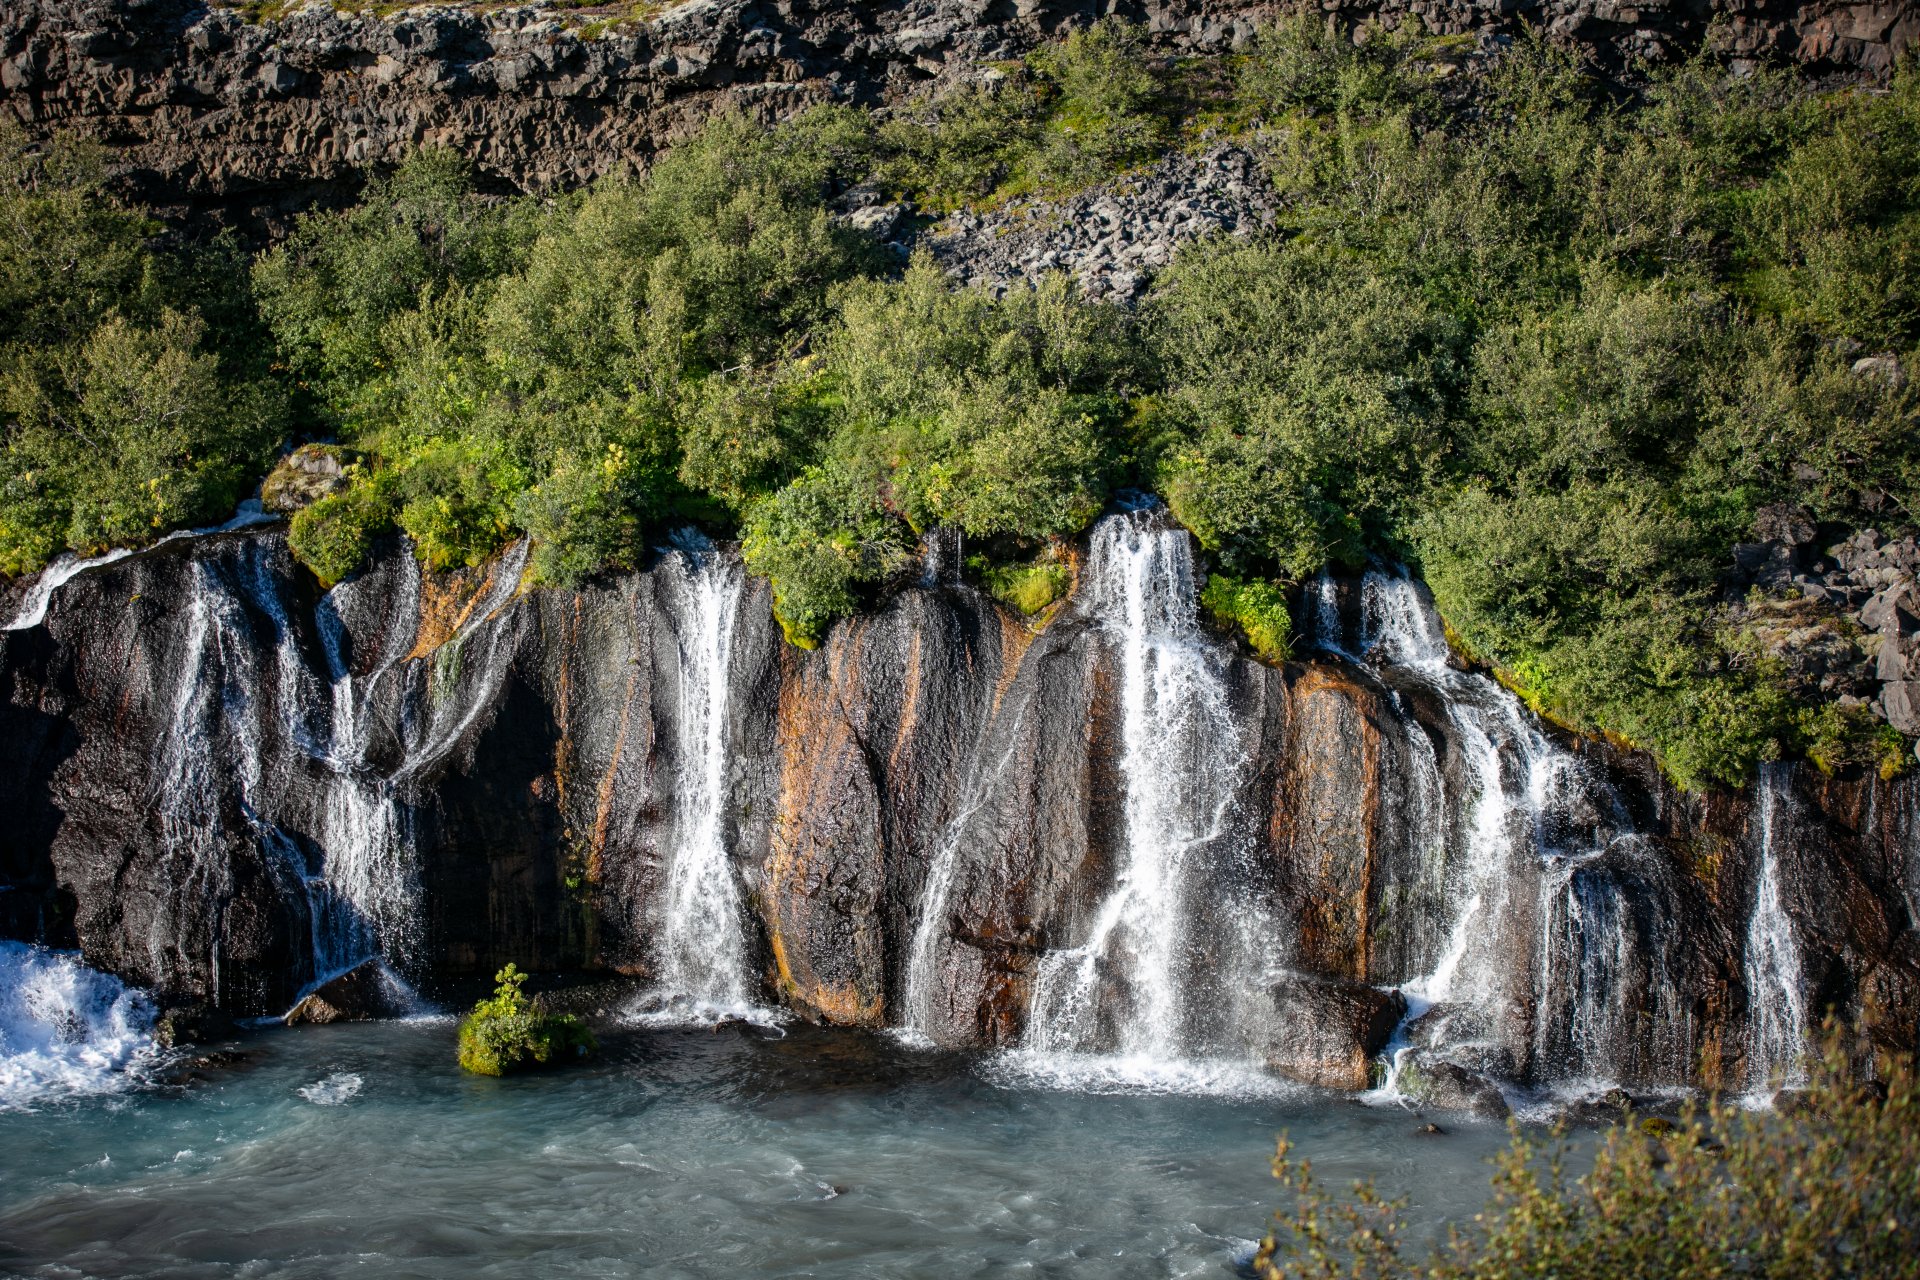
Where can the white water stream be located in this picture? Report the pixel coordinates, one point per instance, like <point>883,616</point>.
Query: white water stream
<point>66,566</point>
<point>701,945</point>
<point>1776,996</point>
<point>1129,1004</point>
<point>1536,824</point>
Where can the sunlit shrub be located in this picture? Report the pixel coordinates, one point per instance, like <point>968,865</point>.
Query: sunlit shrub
<point>1827,1186</point>
<point>508,1032</point>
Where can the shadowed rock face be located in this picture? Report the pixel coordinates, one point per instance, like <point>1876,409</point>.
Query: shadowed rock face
<point>225,784</point>
<point>214,115</point>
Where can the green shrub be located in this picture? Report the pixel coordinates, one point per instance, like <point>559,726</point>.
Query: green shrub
<point>997,416</point>
<point>825,541</point>
<point>1316,389</point>
<point>963,147</point>
<point>1078,112</point>
<point>132,399</point>
<point>1257,607</point>
<point>1030,588</point>
<point>333,536</point>
<point>1102,120</point>
<point>508,1032</point>
<point>1827,1187</point>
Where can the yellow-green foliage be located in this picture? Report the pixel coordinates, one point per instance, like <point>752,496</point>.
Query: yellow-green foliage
<point>1830,1188</point>
<point>507,1032</point>
<point>1257,607</point>
<point>1030,588</point>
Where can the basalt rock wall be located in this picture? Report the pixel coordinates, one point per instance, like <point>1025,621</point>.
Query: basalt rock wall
<point>222,780</point>
<point>211,114</point>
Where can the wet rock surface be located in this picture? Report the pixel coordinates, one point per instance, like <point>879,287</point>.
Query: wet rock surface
<point>1327,1033</point>
<point>361,994</point>
<point>227,776</point>
<point>214,115</point>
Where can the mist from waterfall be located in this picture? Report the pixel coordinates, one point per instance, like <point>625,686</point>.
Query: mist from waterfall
<point>1133,1004</point>
<point>1776,995</point>
<point>68,1031</point>
<point>701,953</point>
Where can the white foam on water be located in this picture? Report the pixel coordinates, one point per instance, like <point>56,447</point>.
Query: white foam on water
<point>67,1031</point>
<point>1102,1073</point>
<point>668,1010</point>
<point>333,1091</point>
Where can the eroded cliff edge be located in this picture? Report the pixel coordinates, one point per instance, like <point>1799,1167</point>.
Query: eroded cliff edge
<point>210,114</point>
<point>224,780</point>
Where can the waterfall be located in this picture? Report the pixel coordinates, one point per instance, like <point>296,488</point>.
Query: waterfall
<point>66,566</point>
<point>942,553</point>
<point>702,944</point>
<point>369,871</point>
<point>1776,999</point>
<point>68,1031</point>
<point>1135,988</point>
<point>1533,833</point>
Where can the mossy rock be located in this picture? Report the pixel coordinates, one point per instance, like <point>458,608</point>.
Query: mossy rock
<point>507,1033</point>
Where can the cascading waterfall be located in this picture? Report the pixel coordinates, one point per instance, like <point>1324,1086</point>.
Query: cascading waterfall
<point>366,889</point>
<point>1539,833</point>
<point>1132,989</point>
<point>1776,997</point>
<point>369,878</point>
<point>66,566</point>
<point>702,948</point>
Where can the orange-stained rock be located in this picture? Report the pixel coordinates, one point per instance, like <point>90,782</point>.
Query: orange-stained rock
<point>1325,822</point>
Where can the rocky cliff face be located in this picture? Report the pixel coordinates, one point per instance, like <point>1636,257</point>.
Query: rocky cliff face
<point>210,113</point>
<point>227,783</point>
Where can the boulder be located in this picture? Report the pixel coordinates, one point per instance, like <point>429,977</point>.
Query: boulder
<point>190,1024</point>
<point>1435,1082</point>
<point>1326,1032</point>
<point>361,994</point>
<point>302,478</point>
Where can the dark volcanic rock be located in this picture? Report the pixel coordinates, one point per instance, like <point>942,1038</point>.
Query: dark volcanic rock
<point>1327,1033</point>
<point>212,114</point>
<point>209,752</point>
<point>361,994</point>
<point>1447,1086</point>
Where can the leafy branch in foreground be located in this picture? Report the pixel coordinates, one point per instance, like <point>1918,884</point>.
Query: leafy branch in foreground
<point>1827,1187</point>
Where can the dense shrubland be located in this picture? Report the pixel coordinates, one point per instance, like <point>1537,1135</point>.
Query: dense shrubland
<point>1551,343</point>
<point>134,387</point>
<point>1828,1187</point>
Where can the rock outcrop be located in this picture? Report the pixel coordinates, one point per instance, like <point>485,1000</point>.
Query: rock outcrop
<point>1844,621</point>
<point>1113,238</point>
<point>212,114</point>
<point>228,783</point>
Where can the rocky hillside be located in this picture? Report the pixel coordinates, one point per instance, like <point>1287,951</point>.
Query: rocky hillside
<point>211,112</point>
